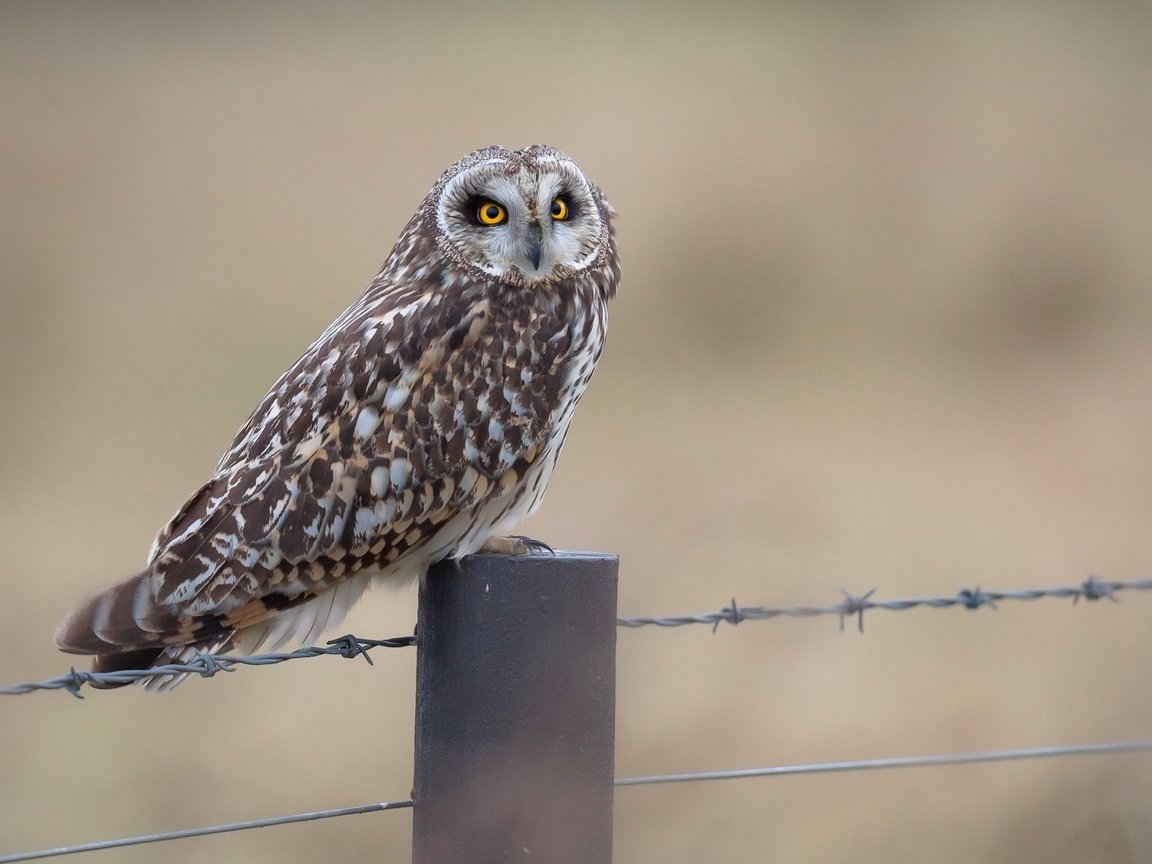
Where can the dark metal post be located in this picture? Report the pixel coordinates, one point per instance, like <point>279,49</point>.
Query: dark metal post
<point>515,710</point>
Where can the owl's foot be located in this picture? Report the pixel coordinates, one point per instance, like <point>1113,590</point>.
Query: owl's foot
<point>515,544</point>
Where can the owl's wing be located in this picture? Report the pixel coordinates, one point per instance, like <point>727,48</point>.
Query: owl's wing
<point>386,437</point>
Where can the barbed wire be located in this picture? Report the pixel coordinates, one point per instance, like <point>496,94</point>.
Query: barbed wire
<point>1111,747</point>
<point>852,606</point>
<point>207,665</point>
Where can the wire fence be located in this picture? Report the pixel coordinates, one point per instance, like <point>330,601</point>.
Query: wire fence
<point>936,760</point>
<point>855,605</point>
<point>185,833</point>
<point>207,665</point>
<point>851,606</point>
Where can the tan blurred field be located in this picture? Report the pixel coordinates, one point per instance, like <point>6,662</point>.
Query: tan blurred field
<point>886,322</point>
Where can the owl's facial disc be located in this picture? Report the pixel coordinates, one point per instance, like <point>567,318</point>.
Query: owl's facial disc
<point>520,222</point>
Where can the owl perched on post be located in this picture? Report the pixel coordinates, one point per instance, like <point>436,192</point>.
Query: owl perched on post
<point>421,425</point>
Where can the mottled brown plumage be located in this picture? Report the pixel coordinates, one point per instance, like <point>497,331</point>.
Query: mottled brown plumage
<point>427,418</point>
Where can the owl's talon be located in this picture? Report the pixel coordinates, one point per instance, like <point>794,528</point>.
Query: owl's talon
<point>534,546</point>
<point>515,544</point>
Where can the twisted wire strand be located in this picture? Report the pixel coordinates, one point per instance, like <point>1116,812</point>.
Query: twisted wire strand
<point>207,665</point>
<point>855,605</point>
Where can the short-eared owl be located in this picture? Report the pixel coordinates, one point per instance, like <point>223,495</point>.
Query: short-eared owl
<point>422,424</point>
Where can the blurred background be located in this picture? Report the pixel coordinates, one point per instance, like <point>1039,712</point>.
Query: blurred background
<point>886,322</point>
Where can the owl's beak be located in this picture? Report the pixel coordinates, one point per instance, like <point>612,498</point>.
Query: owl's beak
<point>535,239</point>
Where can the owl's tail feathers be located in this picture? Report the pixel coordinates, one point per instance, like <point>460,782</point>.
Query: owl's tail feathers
<point>125,618</point>
<point>125,629</point>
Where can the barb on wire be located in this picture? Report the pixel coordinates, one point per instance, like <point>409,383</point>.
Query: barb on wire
<point>854,606</point>
<point>207,665</point>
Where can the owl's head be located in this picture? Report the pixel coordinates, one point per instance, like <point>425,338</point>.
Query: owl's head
<point>522,216</point>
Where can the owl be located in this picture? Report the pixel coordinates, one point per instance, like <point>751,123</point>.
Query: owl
<point>423,424</point>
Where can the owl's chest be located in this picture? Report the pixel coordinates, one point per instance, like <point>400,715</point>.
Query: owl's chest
<point>587,344</point>
<point>555,348</point>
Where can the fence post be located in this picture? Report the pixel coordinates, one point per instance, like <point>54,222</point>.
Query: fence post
<point>515,710</point>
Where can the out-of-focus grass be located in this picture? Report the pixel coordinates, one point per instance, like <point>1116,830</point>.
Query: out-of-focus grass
<point>885,323</point>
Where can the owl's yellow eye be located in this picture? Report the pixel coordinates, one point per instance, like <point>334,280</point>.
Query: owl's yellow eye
<point>491,213</point>
<point>559,209</point>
